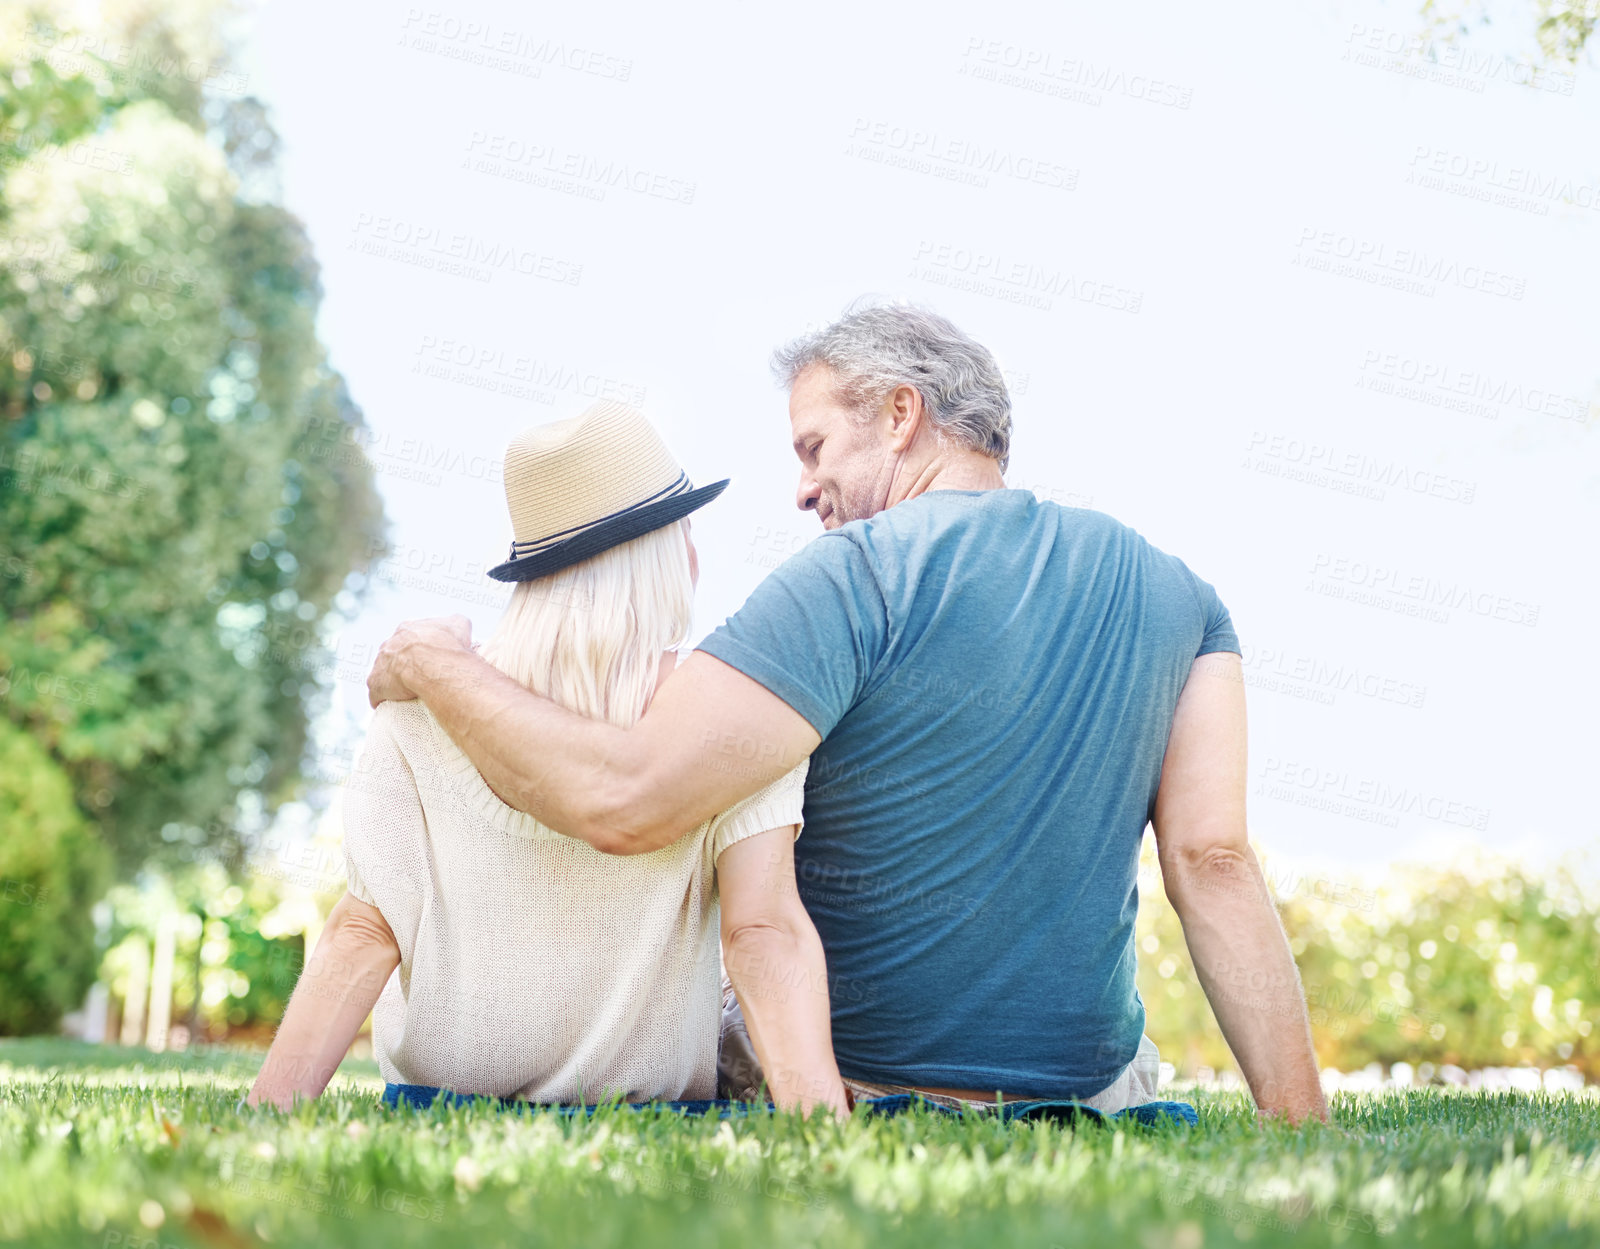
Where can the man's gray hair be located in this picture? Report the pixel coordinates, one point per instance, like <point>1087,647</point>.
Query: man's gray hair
<point>879,345</point>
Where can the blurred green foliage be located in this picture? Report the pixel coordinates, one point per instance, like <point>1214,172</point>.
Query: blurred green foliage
<point>1565,27</point>
<point>1482,963</point>
<point>1561,28</point>
<point>51,867</point>
<point>174,534</point>
<point>238,951</point>
<point>171,529</point>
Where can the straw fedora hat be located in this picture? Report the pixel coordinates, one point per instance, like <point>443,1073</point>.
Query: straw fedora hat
<point>576,488</point>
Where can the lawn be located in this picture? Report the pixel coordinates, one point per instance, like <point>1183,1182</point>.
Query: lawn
<point>121,1148</point>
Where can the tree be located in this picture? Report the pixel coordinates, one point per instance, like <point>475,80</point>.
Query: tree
<point>175,537</point>
<point>51,867</point>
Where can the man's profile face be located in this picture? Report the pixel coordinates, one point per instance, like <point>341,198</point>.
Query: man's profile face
<point>845,466</point>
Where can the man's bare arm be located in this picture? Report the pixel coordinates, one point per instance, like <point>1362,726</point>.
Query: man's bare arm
<point>710,737</point>
<point>1216,886</point>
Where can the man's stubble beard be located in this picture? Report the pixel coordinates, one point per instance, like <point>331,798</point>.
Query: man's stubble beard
<point>858,504</point>
<point>869,498</point>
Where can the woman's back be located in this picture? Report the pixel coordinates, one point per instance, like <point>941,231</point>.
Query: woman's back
<point>531,964</point>
<point>498,957</point>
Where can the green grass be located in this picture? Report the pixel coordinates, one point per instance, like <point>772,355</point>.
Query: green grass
<point>118,1148</point>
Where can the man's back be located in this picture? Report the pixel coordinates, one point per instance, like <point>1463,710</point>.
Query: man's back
<point>994,680</point>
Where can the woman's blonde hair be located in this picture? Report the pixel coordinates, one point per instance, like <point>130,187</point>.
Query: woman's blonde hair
<point>591,636</point>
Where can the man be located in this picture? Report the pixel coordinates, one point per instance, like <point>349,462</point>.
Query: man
<point>997,696</point>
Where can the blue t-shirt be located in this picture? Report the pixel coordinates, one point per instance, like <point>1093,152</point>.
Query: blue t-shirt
<point>994,680</point>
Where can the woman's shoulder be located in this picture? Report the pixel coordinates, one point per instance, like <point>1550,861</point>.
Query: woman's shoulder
<point>408,724</point>
<point>404,715</point>
<point>410,730</point>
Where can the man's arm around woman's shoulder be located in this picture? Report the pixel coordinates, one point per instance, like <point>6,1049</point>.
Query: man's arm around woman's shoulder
<point>711,737</point>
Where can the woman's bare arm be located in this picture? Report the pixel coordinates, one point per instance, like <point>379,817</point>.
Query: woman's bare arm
<point>336,992</point>
<point>774,958</point>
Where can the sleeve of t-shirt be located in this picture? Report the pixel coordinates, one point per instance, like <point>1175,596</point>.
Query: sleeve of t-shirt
<point>813,632</point>
<point>1219,634</point>
<point>777,806</point>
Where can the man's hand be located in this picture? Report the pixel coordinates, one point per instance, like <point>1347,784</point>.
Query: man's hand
<point>408,648</point>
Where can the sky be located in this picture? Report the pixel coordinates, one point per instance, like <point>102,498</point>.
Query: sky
<point>1306,299</point>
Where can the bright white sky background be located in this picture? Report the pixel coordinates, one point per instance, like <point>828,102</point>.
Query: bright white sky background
<point>1173,228</point>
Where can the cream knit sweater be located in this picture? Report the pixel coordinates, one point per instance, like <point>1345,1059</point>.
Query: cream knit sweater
<point>530,964</point>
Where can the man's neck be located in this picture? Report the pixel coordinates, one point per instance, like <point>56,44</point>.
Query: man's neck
<point>969,471</point>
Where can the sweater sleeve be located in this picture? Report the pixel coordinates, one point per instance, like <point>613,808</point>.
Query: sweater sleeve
<point>780,804</point>
<point>385,832</point>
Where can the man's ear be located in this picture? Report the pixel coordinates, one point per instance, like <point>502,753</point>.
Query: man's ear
<point>905,414</point>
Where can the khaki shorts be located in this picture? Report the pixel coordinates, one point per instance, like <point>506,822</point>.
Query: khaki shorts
<point>739,1075</point>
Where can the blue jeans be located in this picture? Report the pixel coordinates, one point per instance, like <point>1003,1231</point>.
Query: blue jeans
<point>424,1097</point>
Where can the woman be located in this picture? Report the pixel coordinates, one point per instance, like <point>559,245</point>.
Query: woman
<point>530,965</point>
